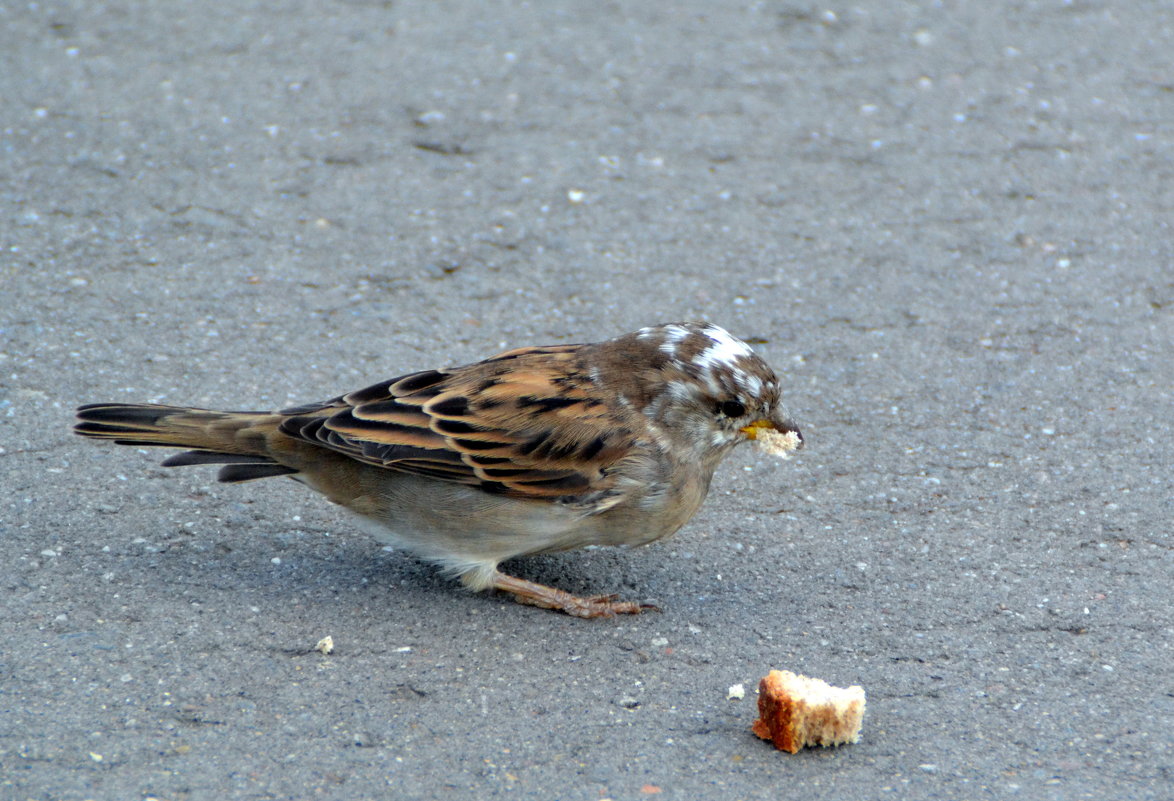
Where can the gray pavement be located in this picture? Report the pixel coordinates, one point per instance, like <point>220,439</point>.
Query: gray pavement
<point>947,224</point>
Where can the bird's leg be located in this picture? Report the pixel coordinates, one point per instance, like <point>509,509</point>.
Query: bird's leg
<point>529,592</point>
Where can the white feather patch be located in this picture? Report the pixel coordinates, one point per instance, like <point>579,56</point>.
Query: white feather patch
<point>673,336</point>
<point>726,348</point>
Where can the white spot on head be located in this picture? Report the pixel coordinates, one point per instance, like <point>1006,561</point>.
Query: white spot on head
<point>749,384</point>
<point>726,348</point>
<point>681,391</point>
<point>673,336</point>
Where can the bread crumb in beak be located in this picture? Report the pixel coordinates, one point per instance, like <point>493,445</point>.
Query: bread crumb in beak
<point>777,443</point>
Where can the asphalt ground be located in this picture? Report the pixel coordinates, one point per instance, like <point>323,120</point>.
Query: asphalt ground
<point>948,225</point>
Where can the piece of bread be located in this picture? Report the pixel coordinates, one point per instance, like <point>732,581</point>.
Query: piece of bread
<point>777,443</point>
<point>796,711</point>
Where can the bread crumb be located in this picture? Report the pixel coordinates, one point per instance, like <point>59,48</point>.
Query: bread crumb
<point>736,693</point>
<point>797,711</point>
<point>777,443</point>
<point>325,645</point>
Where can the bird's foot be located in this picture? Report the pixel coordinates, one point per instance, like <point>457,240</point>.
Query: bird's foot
<point>534,594</point>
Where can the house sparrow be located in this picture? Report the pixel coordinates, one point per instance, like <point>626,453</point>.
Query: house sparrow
<point>534,450</point>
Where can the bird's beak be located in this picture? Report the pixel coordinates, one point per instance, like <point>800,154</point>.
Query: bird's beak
<point>782,426</point>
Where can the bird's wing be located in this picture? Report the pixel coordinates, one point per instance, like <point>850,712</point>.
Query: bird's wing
<point>528,423</point>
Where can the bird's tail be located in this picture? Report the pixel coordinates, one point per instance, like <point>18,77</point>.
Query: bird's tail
<point>238,440</point>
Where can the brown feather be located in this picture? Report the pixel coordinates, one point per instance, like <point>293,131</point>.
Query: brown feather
<point>458,424</point>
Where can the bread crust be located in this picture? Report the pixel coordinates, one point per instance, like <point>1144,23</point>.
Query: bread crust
<point>797,711</point>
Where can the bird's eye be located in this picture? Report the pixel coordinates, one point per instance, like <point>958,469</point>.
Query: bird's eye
<point>731,408</point>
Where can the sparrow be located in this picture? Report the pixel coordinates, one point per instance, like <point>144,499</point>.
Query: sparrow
<point>535,450</point>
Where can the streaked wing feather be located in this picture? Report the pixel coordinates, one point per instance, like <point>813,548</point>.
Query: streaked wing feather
<point>525,423</point>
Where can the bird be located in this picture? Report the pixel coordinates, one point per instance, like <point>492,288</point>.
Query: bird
<point>534,450</point>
